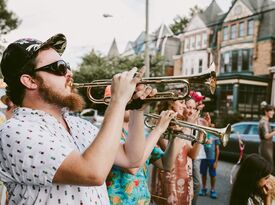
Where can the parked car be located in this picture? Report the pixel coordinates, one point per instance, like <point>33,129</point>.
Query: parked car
<point>92,115</point>
<point>249,134</point>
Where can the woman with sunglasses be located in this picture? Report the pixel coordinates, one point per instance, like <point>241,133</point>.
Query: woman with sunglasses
<point>48,156</point>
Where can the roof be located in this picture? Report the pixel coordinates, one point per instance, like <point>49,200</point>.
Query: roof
<point>267,28</point>
<point>212,14</point>
<point>113,52</point>
<point>257,5</point>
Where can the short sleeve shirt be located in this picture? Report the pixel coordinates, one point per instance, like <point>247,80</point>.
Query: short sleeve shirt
<point>33,144</point>
<point>264,128</point>
<point>124,188</point>
<point>210,149</point>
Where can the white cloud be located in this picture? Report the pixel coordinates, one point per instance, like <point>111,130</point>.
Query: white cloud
<point>85,27</point>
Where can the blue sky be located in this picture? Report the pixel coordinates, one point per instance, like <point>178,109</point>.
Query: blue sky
<point>85,27</point>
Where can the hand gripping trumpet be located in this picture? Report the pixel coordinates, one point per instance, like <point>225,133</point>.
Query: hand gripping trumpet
<point>208,78</point>
<point>222,133</point>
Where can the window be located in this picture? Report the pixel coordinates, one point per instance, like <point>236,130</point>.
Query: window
<point>187,44</point>
<point>249,99</point>
<point>198,39</point>
<point>241,29</point>
<point>253,130</point>
<point>250,27</point>
<point>237,61</point>
<point>204,39</point>
<point>200,65</point>
<point>240,129</point>
<point>233,32</point>
<point>192,42</point>
<point>192,71</point>
<point>225,63</point>
<point>234,61</point>
<point>245,60</point>
<point>225,33</point>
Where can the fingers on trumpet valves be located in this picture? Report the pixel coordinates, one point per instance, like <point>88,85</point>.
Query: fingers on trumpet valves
<point>138,75</point>
<point>142,91</point>
<point>169,113</point>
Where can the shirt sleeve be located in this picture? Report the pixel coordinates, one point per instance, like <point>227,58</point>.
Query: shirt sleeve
<point>31,155</point>
<point>156,154</point>
<point>263,129</point>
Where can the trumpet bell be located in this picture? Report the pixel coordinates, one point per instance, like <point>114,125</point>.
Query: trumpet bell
<point>222,133</point>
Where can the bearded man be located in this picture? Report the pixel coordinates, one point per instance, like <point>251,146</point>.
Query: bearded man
<point>48,156</point>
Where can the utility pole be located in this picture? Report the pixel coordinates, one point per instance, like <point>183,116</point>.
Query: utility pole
<point>146,50</point>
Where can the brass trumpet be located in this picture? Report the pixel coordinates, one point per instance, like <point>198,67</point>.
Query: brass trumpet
<point>222,133</point>
<point>209,77</point>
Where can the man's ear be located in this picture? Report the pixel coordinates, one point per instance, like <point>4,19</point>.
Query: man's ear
<point>28,81</point>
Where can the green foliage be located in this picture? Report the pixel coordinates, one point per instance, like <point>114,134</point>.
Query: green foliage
<point>180,22</point>
<point>96,67</point>
<point>195,10</point>
<point>8,20</point>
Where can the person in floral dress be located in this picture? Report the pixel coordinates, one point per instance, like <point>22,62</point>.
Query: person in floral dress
<point>129,186</point>
<point>176,187</point>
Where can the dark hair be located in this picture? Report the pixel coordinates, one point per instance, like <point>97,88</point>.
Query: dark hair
<point>268,108</point>
<point>16,90</point>
<point>163,105</point>
<point>251,170</point>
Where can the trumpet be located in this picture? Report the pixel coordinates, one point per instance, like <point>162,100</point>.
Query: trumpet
<point>209,77</point>
<point>222,133</point>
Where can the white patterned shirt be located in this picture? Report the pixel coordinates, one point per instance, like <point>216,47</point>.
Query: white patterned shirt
<point>33,144</point>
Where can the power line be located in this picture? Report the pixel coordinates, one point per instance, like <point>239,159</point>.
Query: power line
<point>207,25</point>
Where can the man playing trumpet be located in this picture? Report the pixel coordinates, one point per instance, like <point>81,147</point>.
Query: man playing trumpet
<point>48,156</point>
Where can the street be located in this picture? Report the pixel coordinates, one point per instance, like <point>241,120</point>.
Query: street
<point>223,186</point>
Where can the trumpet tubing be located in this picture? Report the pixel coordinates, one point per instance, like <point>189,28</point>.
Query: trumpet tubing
<point>222,133</point>
<point>209,78</point>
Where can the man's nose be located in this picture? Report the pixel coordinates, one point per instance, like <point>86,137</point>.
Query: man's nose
<point>69,73</point>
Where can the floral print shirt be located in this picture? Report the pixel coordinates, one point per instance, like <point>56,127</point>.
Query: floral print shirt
<point>124,188</point>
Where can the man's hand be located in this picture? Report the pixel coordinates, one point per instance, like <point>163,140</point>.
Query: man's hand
<point>124,85</point>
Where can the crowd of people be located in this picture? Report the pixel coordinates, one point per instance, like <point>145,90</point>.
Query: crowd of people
<point>50,157</point>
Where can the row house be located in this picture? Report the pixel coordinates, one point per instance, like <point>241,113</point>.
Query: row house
<point>241,43</point>
<point>196,40</point>
<point>196,37</point>
<point>245,54</point>
<point>162,42</point>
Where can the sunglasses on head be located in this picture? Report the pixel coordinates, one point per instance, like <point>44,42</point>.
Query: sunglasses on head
<point>57,68</point>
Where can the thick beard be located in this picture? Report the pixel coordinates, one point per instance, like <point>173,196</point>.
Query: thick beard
<point>74,102</point>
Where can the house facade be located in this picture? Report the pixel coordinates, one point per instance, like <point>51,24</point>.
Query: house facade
<point>241,43</point>
<point>162,42</point>
<point>196,38</point>
<point>245,47</point>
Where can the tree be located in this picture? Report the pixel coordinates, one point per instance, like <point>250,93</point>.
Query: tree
<point>195,10</point>
<point>180,22</point>
<point>96,67</point>
<point>8,20</point>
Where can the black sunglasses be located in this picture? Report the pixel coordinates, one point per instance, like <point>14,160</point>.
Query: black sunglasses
<point>57,68</point>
